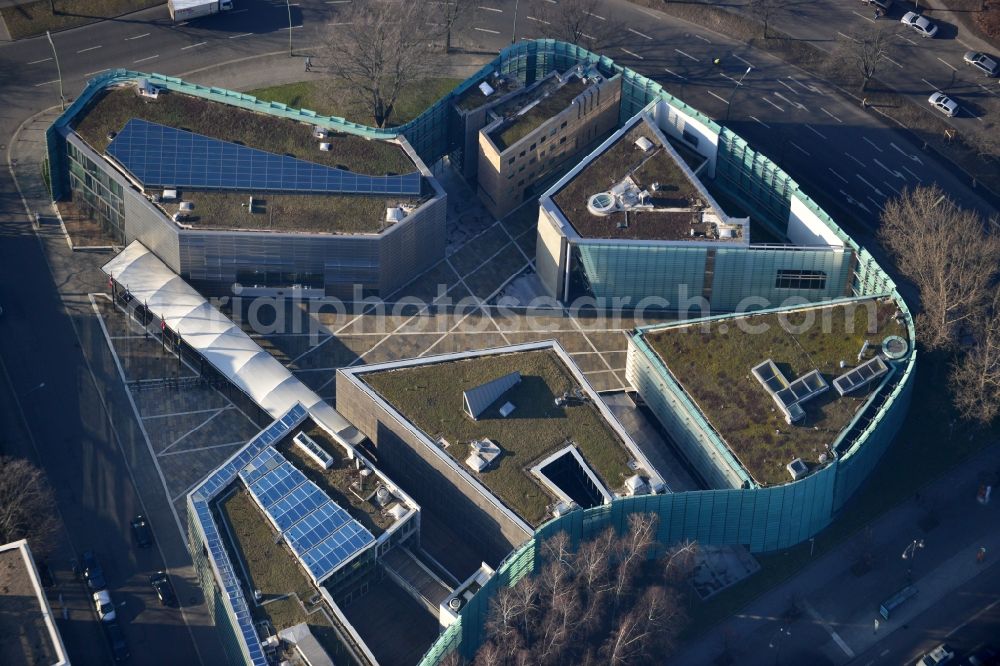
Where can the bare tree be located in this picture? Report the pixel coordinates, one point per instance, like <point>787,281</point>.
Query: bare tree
<point>950,253</point>
<point>868,50</point>
<point>451,14</point>
<point>27,504</point>
<point>680,561</point>
<point>975,376</point>
<point>766,11</point>
<point>490,654</point>
<point>579,22</point>
<point>630,551</point>
<point>383,48</point>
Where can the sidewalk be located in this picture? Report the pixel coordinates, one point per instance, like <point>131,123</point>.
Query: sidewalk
<point>962,21</point>
<point>839,607</point>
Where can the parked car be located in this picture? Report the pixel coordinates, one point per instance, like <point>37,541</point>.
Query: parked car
<point>116,639</point>
<point>919,23</point>
<point>982,62</point>
<point>104,606</point>
<point>92,572</point>
<point>942,654</point>
<point>140,530</point>
<point>944,104</point>
<point>164,590</point>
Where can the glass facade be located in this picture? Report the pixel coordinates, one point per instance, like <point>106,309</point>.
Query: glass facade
<point>97,193</point>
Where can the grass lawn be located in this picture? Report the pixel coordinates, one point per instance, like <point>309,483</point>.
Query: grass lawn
<point>549,106</point>
<point>313,213</point>
<point>34,18</point>
<point>713,365</point>
<point>431,397</point>
<point>327,97</point>
<point>113,108</point>
<point>918,449</point>
<point>608,169</point>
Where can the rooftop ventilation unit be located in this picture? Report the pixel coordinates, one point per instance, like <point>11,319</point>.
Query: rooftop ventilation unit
<point>394,214</point>
<point>486,89</point>
<point>325,147</point>
<point>398,512</point>
<point>313,450</point>
<point>860,376</point>
<point>320,133</point>
<point>169,194</point>
<point>186,206</point>
<point>482,453</point>
<point>643,144</point>
<point>797,468</point>
<point>507,409</point>
<point>383,496</point>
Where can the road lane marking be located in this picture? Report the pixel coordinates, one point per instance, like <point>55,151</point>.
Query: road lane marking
<point>96,72</point>
<point>717,97</point>
<point>836,174</point>
<point>760,121</point>
<point>134,62</point>
<point>846,36</point>
<point>245,34</point>
<point>870,143</point>
<point>590,37</point>
<point>815,131</point>
<point>181,23</point>
<point>532,18</point>
<point>670,71</point>
<point>337,2</point>
<point>851,200</point>
<point>636,32</point>
<point>145,34</point>
<point>980,85</point>
<point>35,62</point>
<point>876,204</point>
<point>799,148</point>
<point>644,11</point>
<point>800,107</point>
<point>89,48</point>
<point>687,55</point>
<point>491,9</point>
<point>826,625</point>
<point>831,115</point>
<point>889,171</point>
<point>919,179</point>
<point>599,18</point>
<point>552,2</point>
<point>788,86</point>
<point>934,87</point>
<point>632,53</point>
<point>885,57</point>
<point>745,62</point>
<point>856,160</point>
<point>773,104</point>
<point>867,18</point>
<point>191,46</point>
<point>726,76</point>
<point>908,40</point>
<point>351,23</point>
<point>704,39</point>
<point>492,32</point>
<point>890,187</point>
<point>38,85</point>
<point>903,152</point>
<point>971,619</point>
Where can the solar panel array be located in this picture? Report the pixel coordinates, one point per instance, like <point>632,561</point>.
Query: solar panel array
<point>321,534</point>
<point>157,155</point>
<point>200,499</point>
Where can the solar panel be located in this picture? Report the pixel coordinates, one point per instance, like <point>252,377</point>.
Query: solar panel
<point>317,526</point>
<point>335,549</point>
<point>297,504</point>
<point>276,484</point>
<point>157,155</point>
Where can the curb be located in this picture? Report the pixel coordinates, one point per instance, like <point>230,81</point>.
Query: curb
<point>74,27</point>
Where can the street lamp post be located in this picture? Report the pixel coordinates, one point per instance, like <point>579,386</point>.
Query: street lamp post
<point>288,6</point>
<point>908,554</point>
<point>781,635</point>
<point>513,32</point>
<point>729,104</point>
<point>62,99</point>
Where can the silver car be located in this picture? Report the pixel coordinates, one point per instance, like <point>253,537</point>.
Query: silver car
<point>919,23</point>
<point>982,62</point>
<point>944,104</point>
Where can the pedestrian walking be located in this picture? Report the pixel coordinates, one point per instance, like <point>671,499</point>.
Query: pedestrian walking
<point>717,61</point>
<point>308,64</point>
<point>981,555</point>
<point>878,13</point>
<point>864,103</point>
<point>875,630</point>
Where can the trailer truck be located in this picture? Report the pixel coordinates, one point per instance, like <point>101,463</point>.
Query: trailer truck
<point>185,10</point>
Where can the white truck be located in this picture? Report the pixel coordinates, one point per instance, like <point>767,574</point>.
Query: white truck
<point>185,10</point>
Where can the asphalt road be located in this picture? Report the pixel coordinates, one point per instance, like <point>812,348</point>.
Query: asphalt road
<point>841,155</point>
<point>966,620</point>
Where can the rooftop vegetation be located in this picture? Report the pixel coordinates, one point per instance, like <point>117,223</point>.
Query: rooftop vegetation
<point>623,158</point>
<point>312,213</point>
<point>430,396</point>
<point>552,104</point>
<point>24,638</point>
<point>712,362</point>
<point>113,108</point>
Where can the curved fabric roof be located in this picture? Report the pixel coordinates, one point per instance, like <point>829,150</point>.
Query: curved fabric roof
<point>223,344</point>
